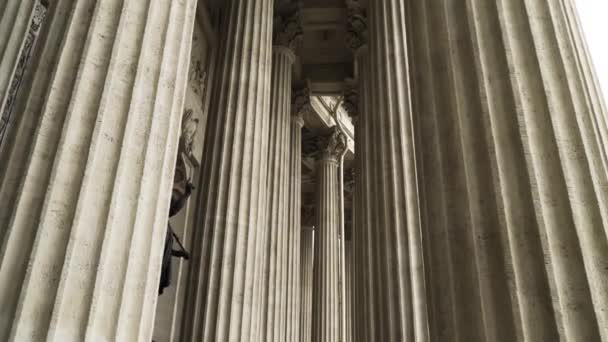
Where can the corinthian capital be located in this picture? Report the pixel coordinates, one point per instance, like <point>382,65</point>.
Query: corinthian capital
<point>300,97</point>
<point>356,25</point>
<point>288,31</point>
<point>351,98</point>
<point>333,145</point>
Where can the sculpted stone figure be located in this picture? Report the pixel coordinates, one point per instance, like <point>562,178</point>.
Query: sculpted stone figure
<point>189,129</point>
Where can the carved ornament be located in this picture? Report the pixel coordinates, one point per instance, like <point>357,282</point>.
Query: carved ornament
<point>288,31</point>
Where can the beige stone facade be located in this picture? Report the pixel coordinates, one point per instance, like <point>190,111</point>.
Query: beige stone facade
<point>362,171</point>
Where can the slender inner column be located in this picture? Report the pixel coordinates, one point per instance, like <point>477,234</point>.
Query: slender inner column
<point>95,156</point>
<point>287,34</point>
<point>365,288</point>
<point>306,281</point>
<point>294,226</point>
<point>226,297</point>
<point>326,294</point>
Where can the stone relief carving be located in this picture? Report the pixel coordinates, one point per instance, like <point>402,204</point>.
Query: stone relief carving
<point>197,77</point>
<point>188,135</point>
<point>38,16</point>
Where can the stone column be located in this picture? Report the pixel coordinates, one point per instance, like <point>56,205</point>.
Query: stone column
<point>306,281</point>
<point>356,102</point>
<point>93,164</point>
<point>512,143</point>
<point>287,34</point>
<point>326,320</point>
<point>225,298</point>
<point>294,226</point>
<point>398,309</point>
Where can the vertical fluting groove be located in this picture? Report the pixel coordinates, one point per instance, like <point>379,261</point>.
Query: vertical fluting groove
<point>568,280</point>
<point>585,174</point>
<point>67,168</point>
<point>436,177</point>
<point>348,254</point>
<point>588,77</point>
<point>18,241</point>
<point>88,224</point>
<point>16,244</point>
<point>16,147</point>
<point>483,219</point>
<point>522,244</point>
<point>106,137</point>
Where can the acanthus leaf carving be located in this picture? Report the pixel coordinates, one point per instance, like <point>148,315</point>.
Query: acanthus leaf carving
<point>288,31</point>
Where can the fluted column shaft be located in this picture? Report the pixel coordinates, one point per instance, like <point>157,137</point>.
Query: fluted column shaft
<point>225,301</point>
<point>326,320</point>
<point>82,240</point>
<point>295,229</point>
<point>279,194</point>
<point>398,309</point>
<point>514,184</point>
<point>306,281</point>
